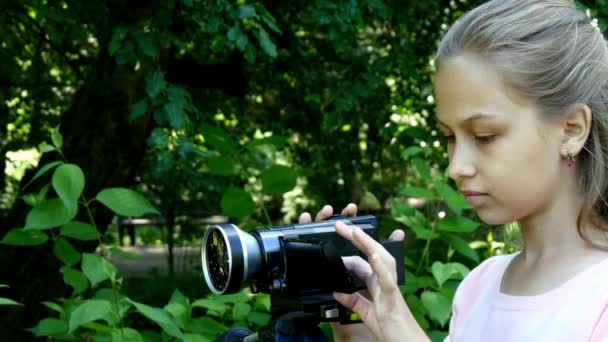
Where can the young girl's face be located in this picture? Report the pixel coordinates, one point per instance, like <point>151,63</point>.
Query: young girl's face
<point>497,144</point>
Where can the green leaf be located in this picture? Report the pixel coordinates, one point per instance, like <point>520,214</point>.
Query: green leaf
<point>79,230</point>
<point>50,327</point>
<point>239,297</point>
<point>267,45</point>
<point>457,224</point>
<point>119,34</point>
<point>411,151</point>
<point>138,109</point>
<point>453,270</point>
<point>35,199</point>
<point>6,301</point>
<point>237,36</point>
<point>20,237</point>
<point>437,306</point>
<point>75,279</point>
<point>205,325</point>
<point>246,11</point>
<point>45,148</point>
<point>259,318</point>
<point>68,182</point>
<point>221,165</point>
<point>278,179</point>
<point>369,201</point>
<point>126,54</point>
<point>462,246</point>
<point>46,168</point>
<point>147,45</point>
<point>179,298</point>
<point>240,311</point>
<point>195,338</point>
<point>155,83</point>
<point>53,306</point>
<point>126,335</point>
<point>96,268</point>
<point>48,214</point>
<point>418,192</point>
<point>98,326</point>
<point>57,138</point>
<point>423,233</point>
<point>423,169</point>
<point>160,317</point>
<point>65,252</point>
<point>267,17</point>
<point>175,114</point>
<point>416,221</point>
<point>455,200</point>
<point>178,311</point>
<point>90,310</point>
<point>237,202</point>
<point>276,141</point>
<point>218,139</point>
<point>121,253</point>
<point>210,304</point>
<point>125,202</point>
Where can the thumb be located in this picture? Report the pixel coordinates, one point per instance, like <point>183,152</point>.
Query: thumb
<point>354,302</point>
<point>397,235</point>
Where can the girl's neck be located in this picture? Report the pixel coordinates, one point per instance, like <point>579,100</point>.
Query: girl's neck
<point>552,231</point>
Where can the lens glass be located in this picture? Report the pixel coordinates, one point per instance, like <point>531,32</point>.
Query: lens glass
<point>218,260</point>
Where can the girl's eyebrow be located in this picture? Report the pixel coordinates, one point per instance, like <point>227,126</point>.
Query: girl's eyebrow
<point>471,118</point>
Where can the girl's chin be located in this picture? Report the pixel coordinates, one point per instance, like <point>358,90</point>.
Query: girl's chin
<point>494,218</point>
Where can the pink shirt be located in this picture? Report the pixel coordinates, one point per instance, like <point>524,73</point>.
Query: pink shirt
<point>574,311</point>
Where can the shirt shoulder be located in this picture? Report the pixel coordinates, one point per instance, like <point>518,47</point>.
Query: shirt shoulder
<point>479,284</point>
<point>483,274</point>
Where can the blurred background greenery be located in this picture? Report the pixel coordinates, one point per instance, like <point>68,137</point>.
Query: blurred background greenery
<point>232,111</point>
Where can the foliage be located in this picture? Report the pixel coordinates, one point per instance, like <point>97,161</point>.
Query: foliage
<point>95,310</point>
<point>254,110</point>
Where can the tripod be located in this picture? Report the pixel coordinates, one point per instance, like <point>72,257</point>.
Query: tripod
<point>295,319</point>
<point>283,330</point>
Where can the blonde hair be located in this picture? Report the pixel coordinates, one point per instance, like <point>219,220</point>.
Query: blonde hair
<point>550,52</point>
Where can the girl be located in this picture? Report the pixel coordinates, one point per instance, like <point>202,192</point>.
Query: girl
<point>521,91</point>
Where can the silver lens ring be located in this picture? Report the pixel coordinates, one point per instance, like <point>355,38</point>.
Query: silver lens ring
<point>234,253</point>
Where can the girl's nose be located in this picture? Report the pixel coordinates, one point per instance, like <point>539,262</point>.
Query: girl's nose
<point>461,164</point>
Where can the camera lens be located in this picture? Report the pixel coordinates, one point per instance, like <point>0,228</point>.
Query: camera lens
<point>218,260</point>
<point>230,258</point>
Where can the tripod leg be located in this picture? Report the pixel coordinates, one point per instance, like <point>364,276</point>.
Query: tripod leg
<point>234,335</point>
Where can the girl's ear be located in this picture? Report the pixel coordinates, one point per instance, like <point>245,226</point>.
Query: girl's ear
<point>575,129</point>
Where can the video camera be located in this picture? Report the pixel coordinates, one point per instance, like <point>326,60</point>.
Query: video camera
<point>299,265</point>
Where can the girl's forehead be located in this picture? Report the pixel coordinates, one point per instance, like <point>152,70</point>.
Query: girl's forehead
<point>465,88</point>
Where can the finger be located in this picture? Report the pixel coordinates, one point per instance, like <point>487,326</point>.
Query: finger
<point>347,232</point>
<point>386,276</point>
<point>364,242</point>
<point>370,246</point>
<point>397,235</point>
<point>305,218</point>
<point>355,302</point>
<point>350,210</point>
<point>359,267</point>
<point>324,213</point>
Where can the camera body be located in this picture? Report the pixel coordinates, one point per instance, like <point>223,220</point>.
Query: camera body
<point>300,265</point>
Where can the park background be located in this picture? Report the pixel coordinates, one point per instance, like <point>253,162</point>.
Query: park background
<point>127,127</point>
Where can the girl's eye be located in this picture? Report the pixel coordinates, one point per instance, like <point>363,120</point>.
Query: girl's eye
<point>485,139</point>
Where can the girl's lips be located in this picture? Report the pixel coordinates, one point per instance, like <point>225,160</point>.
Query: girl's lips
<point>475,199</point>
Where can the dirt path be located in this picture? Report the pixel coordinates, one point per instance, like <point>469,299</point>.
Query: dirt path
<point>154,260</point>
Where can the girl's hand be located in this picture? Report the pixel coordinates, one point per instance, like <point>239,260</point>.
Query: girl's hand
<point>351,332</point>
<point>386,314</point>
